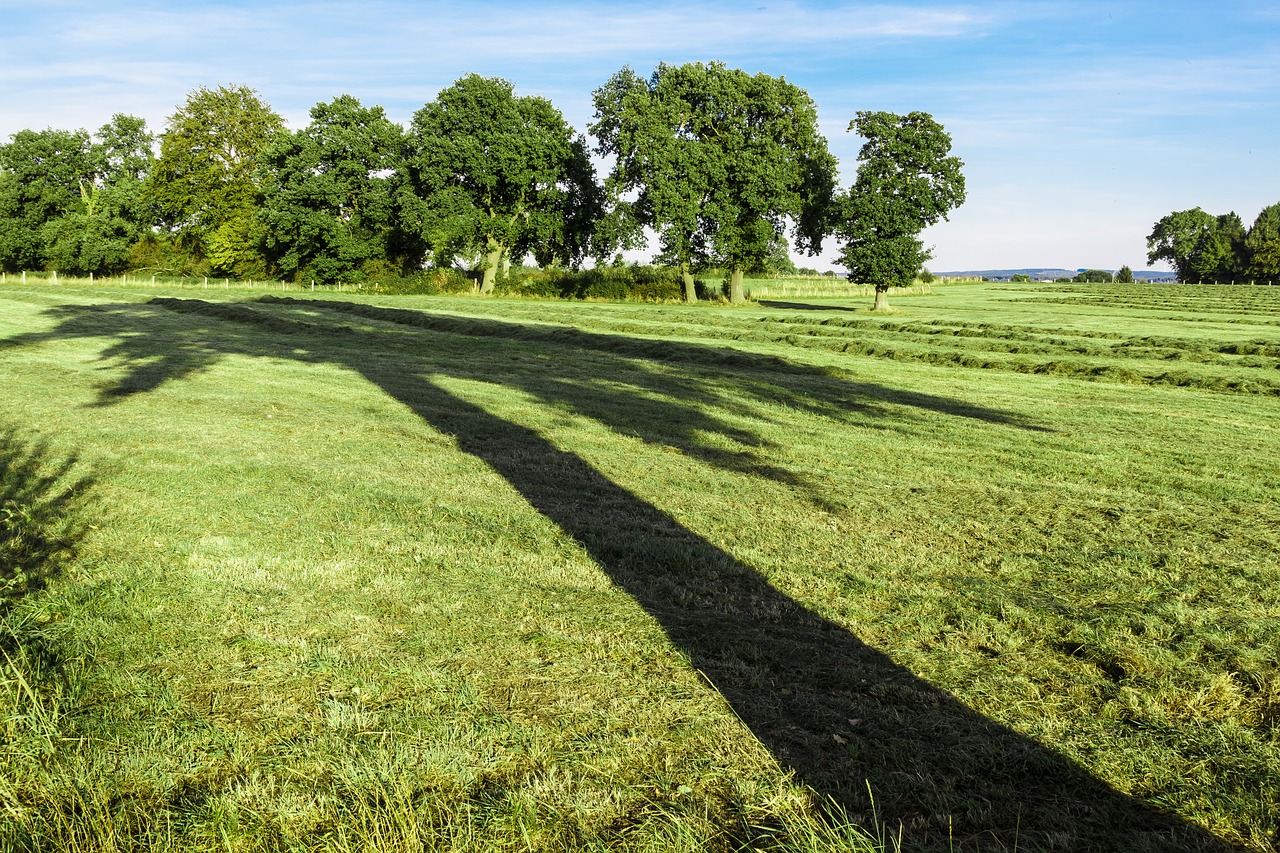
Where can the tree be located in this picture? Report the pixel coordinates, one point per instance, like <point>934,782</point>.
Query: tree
<point>326,192</point>
<point>114,213</point>
<point>907,180</point>
<point>717,162</point>
<point>1262,245</point>
<point>1221,256</point>
<point>1124,275</point>
<point>73,202</point>
<point>205,181</point>
<point>1201,246</point>
<point>42,174</point>
<point>489,173</point>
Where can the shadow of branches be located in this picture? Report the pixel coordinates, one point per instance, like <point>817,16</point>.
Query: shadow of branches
<point>38,523</point>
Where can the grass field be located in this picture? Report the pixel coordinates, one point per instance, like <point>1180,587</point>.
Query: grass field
<point>998,571</point>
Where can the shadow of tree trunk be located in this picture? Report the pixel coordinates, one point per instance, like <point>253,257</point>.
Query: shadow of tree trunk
<point>840,713</point>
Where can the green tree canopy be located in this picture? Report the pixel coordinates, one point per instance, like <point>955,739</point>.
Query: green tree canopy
<point>1094,277</point>
<point>73,202</point>
<point>717,161</point>
<point>41,177</point>
<point>1124,275</point>
<point>205,180</point>
<point>488,173</point>
<point>1200,246</point>
<point>326,193</point>
<point>1262,245</point>
<point>114,211</point>
<point>907,180</point>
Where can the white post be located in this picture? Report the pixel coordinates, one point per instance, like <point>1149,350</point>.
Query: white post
<point>55,276</point>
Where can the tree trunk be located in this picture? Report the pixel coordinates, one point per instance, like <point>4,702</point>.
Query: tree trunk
<point>690,289</point>
<point>492,258</point>
<point>882,300</point>
<point>736,294</point>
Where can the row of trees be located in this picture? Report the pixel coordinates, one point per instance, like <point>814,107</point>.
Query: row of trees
<point>720,164</point>
<point>1207,248</point>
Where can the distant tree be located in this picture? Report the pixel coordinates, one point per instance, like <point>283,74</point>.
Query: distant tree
<point>1262,245</point>
<point>326,200</point>
<point>486,172</point>
<point>1201,246</point>
<point>907,180</point>
<point>1221,256</point>
<point>717,161</point>
<point>205,181</point>
<point>1124,275</point>
<point>1094,277</point>
<point>1020,277</point>
<point>778,261</point>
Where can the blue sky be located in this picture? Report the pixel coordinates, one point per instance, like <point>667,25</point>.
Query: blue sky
<point>1080,123</point>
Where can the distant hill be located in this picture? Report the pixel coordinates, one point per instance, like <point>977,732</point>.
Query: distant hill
<point>1049,273</point>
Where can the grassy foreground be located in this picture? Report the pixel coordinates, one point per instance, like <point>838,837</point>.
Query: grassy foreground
<point>295,573</point>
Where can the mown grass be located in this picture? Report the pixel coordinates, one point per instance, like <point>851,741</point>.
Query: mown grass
<point>443,573</point>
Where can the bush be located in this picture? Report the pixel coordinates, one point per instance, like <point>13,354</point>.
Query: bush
<point>641,283</point>
<point>426,282</point>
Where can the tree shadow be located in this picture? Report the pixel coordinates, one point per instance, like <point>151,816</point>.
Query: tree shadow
<point>838,712</point>
<point>801,306</point>
<point>38,516</point>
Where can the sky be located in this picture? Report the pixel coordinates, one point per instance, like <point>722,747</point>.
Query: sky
<point>1080,123</point>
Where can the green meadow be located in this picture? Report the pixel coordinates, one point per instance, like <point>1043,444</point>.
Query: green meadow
<point>286,571</point>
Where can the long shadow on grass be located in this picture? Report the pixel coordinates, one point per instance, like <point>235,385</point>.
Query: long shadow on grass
<point>840,713</point>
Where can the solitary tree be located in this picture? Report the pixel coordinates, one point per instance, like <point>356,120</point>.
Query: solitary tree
<point>326,192</point>
<point>907,180</point>
<point>1124,275</point>
<point>205,180</point>
<point>487,172</point>
<point>718,162</point>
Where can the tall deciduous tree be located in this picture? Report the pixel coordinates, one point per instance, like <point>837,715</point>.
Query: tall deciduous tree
<point>486,172</point>
<point>72,202</point>
<point>1201,246</point>
<point>717,161</point>
<point>41,176</point>
<point>326,192</point>
<point>907,180</point>
<point>205,179</point>
<point>114,212</point>
<point>1263,245</point>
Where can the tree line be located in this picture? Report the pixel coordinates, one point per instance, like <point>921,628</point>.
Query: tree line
<point>1203,247</point>
<point>720,164</point>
